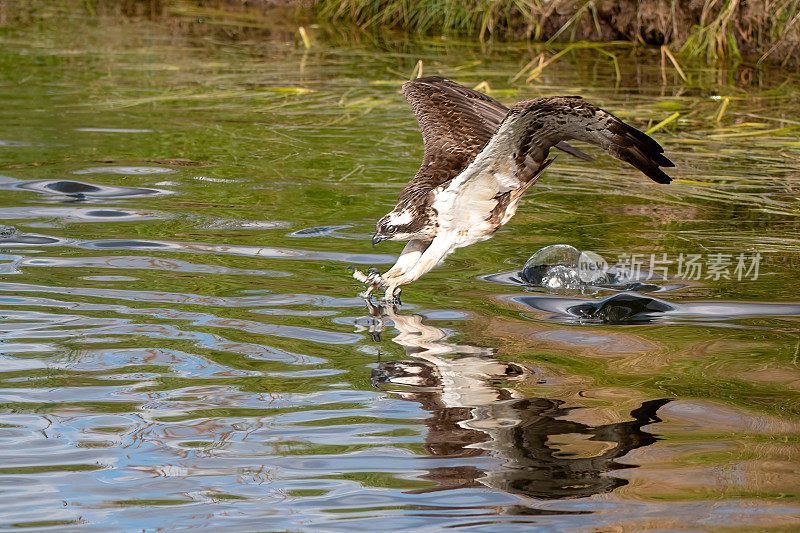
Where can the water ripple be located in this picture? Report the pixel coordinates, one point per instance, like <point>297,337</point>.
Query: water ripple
<point>79,189</point>
<point>80,214</point>
<point>30,239</point>
<point>121,326</point>
<point>135,262</point>
<point>636,308</point>
<point>127,171</point>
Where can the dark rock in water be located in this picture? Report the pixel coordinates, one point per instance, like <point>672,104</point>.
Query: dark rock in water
<point>621,308</point>
<point>71,187</point>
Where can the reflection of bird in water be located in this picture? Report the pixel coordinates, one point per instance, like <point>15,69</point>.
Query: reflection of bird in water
<point>543,454</point>
<point>480,157</point>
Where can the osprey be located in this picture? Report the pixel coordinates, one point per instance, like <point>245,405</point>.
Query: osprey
<point>479,158</point>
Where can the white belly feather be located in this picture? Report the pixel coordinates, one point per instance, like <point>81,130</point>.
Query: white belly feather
<point>465,205</point>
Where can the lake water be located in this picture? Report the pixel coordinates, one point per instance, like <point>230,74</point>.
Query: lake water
<point>183,348</point>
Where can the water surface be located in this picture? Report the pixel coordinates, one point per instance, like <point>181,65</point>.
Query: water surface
<point>181,345</point>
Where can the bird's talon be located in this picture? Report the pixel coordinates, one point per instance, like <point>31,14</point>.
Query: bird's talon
<point>395,296</point>
<point>360,276</point>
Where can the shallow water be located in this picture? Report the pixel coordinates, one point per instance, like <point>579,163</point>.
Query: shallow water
<point>181,345</point>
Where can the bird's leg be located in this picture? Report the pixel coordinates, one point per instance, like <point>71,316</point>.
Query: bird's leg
<point>372,279</point>
<point>392,296</point>
<point>395,276</point>
<point>425,257</point>
<point>417,258</point>
<point>392,278</point>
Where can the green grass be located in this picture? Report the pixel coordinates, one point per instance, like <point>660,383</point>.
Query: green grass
<point>715,29</point>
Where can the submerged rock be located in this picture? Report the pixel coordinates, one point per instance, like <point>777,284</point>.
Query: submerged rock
<point>621,308</point>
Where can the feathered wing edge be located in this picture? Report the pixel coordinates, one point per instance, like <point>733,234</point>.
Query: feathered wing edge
<point>532,127</point>
<point>518,152</point>
<point>456,123</point>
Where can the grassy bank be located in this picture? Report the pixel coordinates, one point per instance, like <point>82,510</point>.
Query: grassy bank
<point>766,31</point>
<point>715,29</point>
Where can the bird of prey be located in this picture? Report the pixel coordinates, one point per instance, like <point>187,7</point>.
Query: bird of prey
<point>479,158</point>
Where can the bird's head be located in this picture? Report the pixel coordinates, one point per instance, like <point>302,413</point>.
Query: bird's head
<point>402,224</point>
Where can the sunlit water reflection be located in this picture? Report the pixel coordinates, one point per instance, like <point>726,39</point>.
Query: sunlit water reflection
<point>181,345</point>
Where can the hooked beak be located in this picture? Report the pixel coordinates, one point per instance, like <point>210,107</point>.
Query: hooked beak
<point>377,238</point>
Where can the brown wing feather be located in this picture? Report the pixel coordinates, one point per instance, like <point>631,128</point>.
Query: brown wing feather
<point>536,125</point>
<point>456,124</point>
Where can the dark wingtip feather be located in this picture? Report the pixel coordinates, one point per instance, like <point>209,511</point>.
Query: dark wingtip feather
<point>663,161</point>
<point>658,175</point>
<point>654,161</point>
<point>646,154</point>
<point>637,155</point>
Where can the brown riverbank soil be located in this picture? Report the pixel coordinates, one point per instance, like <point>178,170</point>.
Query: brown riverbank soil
<point>749,27</point>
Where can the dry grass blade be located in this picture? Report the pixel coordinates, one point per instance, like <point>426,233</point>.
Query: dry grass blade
<point>614,60</point>
<point>776,131</point>
<point>663,123</point>
<point>536,72</point>
<point>571,21</point>
<point>723,106</point>
<point>665,51</point>
<point>782,38</point>
<point>417,72</point>
<point>304,36</point>
<point>538,59</point>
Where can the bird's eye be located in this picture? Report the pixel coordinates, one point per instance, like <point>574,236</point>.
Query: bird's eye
<point>391,229</point>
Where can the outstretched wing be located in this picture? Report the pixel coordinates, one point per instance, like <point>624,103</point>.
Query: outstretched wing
<point>502,170</point>
<point>456,123</point>
<point>532,127</point>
